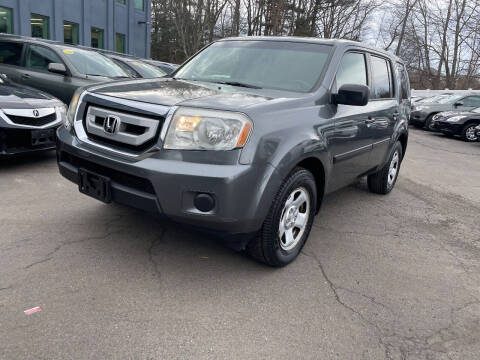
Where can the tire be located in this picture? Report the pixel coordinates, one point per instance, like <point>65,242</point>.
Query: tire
<point>428,122</point>
<point>466,133</point>
<point>382,181</point>
<point>269,247</point>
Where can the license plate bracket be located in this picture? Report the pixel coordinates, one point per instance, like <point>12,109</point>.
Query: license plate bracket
<point>94,185</point>
<point>42,137</point>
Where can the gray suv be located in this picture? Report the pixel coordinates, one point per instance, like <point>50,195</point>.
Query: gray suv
<point>53,67</point>
<point>245,139</point>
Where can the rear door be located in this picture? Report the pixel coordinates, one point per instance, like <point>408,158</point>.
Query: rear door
<point>352,141</point>
<point>384,107</point>
<point>36,74</point>
<point>11,59</point>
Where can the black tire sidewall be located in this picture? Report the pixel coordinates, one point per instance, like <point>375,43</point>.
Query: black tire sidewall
<point>301,178</point>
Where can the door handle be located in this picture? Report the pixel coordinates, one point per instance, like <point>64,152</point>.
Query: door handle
<point>369,120</point>
<point>26,76</point>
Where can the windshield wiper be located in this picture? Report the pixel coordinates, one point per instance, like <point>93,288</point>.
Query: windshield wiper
<point>237,83</point>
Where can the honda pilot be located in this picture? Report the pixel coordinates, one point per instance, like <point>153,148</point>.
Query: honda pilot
<point>245,139</point>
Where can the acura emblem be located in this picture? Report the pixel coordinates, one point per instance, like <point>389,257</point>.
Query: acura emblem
<point>36,113</point>
<point>110,125</point>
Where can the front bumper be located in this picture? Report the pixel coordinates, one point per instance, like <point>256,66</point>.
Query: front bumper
<point>447,127</point>
<point>15,141</point>
<point>242,193</point>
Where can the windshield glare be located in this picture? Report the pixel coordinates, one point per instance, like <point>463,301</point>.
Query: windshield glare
<point>92,63</point>
<point>265,64</point>
<point>146,70</point>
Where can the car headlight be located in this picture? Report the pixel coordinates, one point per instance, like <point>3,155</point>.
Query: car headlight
<point>62,111</point>
<point>200,129</point>
<point>455,118</point>
<point>72,109</point>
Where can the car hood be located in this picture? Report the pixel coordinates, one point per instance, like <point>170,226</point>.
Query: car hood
<point>172,92</point>
<point>22,97</point>
<point>449,114</point>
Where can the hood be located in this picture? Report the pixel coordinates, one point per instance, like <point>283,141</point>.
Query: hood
<point>22,97</point>
<point>172,92</point>
<point>449,114</point>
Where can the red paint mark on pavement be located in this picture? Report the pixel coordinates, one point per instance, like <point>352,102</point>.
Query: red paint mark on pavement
<point>33,310</point>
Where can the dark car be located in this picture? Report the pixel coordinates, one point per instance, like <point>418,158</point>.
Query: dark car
<point>53,67</point>
<point>423,112</point>
<point>455,123</point>
<point>240,142</point>
<point>136,68</point>
<point>28,118</point>
<point>167,67</point>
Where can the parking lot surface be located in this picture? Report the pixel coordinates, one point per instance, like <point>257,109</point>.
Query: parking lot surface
<point>381,277</point>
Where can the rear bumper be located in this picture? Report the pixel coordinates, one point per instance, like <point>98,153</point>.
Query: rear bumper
<point>242,193</point>
<point>18,141</point>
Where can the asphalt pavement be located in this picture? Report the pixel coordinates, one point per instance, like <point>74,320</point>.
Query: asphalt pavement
<point>381,277</point>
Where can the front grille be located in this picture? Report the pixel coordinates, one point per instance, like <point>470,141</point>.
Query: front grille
<point>131,181</point>
<point>136,132</point>
<point>32,121</point>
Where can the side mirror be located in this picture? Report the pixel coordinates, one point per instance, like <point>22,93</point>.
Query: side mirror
<point>57,68</point>
<point>3,76</point>
<point>352,94</point>
<point>458,103</point>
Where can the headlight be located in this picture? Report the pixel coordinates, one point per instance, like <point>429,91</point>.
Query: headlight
<point>72,109</point>
<point>455,118</point>
<point>199,129</point>
<point>62,110</point>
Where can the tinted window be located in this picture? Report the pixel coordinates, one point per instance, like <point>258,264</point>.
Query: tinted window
<point>381,79</point>
<point>266,64</point>
<point>10,52</point>
<point>39,57</point>
<point>471,101</point>
<point>352,70</point>
<point>404,82</point>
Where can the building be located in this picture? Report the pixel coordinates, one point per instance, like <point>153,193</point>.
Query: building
<point>119,25</point>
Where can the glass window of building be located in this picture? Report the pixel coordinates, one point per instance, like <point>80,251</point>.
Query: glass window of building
<point>123,2</point>
<point>70,33</point>
<point>97,38</point>
<point>120,43</point>
<point>139,5</point>
<point>6,23</point>
<point>40,26</point>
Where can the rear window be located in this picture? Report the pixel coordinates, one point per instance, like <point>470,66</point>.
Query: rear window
<point>10,53</point>
<point>381,79</point>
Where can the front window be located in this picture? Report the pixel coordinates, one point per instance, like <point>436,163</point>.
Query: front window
<point>39,57</point>
<point>6,23</point>
<point>146,70</point>
<point>92,63</point>
<point>352,70</point>
<point>291,66</point>
<point>40,26</point>
<point>70,33</point>
<point>97,38</point>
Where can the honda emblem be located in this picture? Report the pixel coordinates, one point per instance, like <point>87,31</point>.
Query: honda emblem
<point>110,125</point>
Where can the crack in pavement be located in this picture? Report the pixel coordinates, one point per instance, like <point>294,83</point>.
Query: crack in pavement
<point>156,240</point>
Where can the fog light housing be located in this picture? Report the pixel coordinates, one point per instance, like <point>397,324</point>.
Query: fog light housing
<point>204,202</point>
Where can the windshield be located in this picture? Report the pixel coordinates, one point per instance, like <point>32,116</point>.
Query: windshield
<point>476,110</point>
<point>92,63</point>
<point>432,99</point>
<point>450,99</point>
<point>260,64</point>
<point>146,70</point>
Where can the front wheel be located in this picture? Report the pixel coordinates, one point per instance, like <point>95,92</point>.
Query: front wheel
<point>469,134</point>
<point>289,221</point>
<point>383,181</point>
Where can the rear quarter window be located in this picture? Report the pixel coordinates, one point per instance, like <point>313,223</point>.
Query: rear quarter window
<point>10,53</point>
